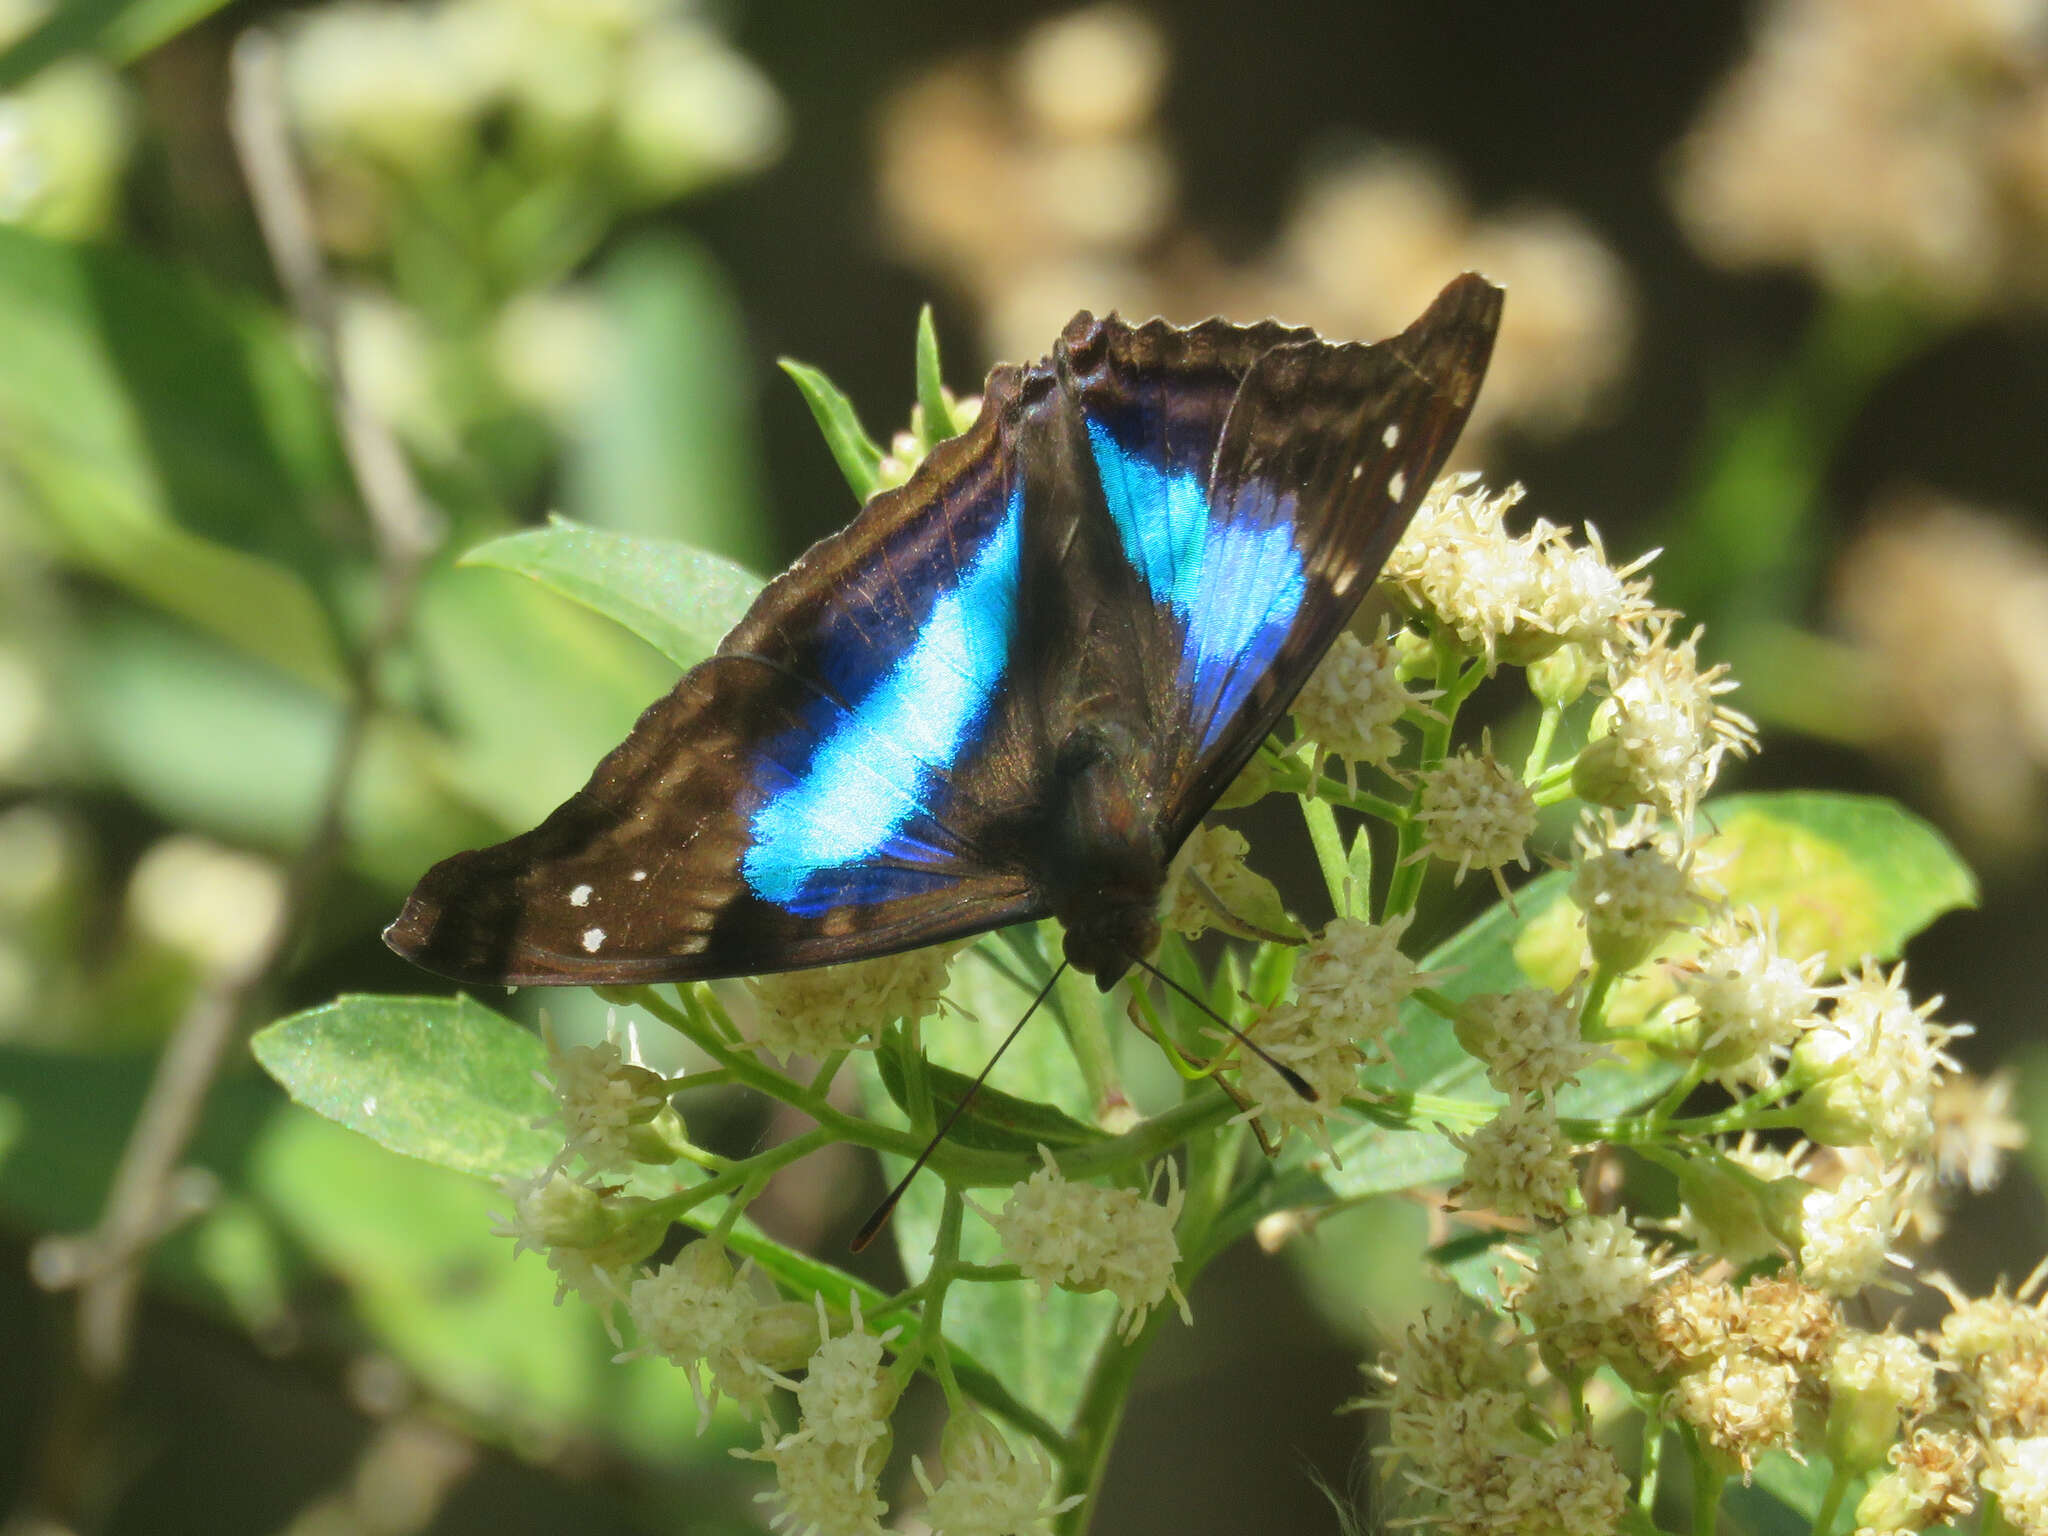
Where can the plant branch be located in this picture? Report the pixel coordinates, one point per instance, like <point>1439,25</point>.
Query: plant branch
<point>105,1264</point>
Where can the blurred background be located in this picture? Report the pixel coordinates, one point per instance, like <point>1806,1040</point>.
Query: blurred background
<point>1778,280</point>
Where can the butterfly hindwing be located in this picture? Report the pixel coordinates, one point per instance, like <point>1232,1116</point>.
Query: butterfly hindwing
<point>814,791</point>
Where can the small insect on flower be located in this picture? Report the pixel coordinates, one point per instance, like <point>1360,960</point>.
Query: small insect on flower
<point>1636,886</point>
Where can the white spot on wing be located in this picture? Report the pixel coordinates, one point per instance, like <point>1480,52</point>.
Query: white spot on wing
<point>639,875</point>
<point>580,897</point>
<point>1392,436</point>
<point>1397,484</point>
<point>593,939</point>
<point>1357,470</point>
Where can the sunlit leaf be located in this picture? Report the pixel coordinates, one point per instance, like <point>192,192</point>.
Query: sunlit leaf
<point>126,29</point>
<point>1850,875</point>
<point>196,500</point>
<point>855,452</point>
<point>532,690</point>
<point>443,1079</point>
<point>679,599</point>
<point>214,740</point>
<point>668,446</point>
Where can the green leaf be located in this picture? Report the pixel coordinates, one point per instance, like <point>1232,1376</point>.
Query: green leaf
<point>679,599</point>
<point>858,457</point>
<point>668,445</point>
<point>424,1272</point>
<point>442,1079</point>
<point>125,29</point>
<point>995,1121</point>
<point>1847,875</point>
<point>1781,1497</point>
<point>532,690</point>
<point>307,1202</point>
<point>196,500</point>
<point>214,740</point>
<point>935,413</point>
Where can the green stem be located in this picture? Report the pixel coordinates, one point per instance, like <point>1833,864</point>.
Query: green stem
<point>1332,858</point>
<point>1593,1011</point>
<point>1441,1004</point>
<point>1455,687</point>
<point>1706,1498</point>
<point>945,1269</point>
<point>1097,1418</point>
<point>740,1174</point>
<point>1539,749</point>
<point>1653,1462</point>
<point>1831,1501</point>
<point>1080,1014</point>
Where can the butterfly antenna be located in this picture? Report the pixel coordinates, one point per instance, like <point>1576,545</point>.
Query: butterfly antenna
<point>1288,1075</point>
<point>882,1212</point>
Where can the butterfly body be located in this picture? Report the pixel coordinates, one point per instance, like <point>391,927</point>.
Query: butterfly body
<point>1009,689</point>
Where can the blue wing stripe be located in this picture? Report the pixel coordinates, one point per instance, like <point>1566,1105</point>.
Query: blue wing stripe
<point>1236,583</point>
<point>870,774</point>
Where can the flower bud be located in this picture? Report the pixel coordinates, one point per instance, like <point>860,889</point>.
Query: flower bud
<point>783,1335</point>
<point>1414,654</point>
<point>1606,774</point>
<point>659,1141</point>
<point>565,1213</point>
<point>1874,1382</point>
<point>1561,677</point>
<point>1729,1206</point>
<point>1253,784</point>
<point>636,1227</point>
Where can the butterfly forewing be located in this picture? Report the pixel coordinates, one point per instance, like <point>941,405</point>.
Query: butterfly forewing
<point>815,791</point>
<point>1256,479</point>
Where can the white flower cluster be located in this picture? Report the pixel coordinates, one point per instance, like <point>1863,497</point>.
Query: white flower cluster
<point>1513,598</point>
<point>843,1007</point>
<point>1083,1237</point>
<point>1348,986</point>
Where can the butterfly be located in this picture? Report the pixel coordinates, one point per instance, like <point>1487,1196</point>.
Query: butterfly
<point>1009,689</point>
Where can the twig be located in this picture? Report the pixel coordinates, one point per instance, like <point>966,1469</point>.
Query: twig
<point>105,1264</point>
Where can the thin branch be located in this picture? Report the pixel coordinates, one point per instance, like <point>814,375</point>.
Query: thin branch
<point>143,1202</point>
